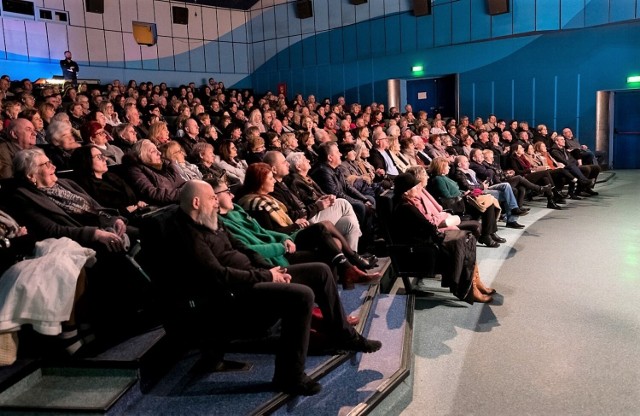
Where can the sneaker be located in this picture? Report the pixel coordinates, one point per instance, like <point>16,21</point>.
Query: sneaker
<point>306,386</point>
<point>358,343</point>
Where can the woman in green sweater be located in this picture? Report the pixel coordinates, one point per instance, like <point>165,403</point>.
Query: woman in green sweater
<point>443,187</point>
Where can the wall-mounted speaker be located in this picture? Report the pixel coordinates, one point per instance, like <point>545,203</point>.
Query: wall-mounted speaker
<point>95,6</point>
<point>497,7</point>
<point>357,2</point>
<point>180,15</point>
<point>145,33</point>
<point>304,9</point>
<point>421,7</point>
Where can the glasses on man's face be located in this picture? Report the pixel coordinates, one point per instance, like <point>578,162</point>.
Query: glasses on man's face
<point>101,133</point>
<point>223,191</point>
<point>48,164</point>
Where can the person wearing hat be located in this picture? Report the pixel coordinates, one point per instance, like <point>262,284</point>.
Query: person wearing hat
<point>411,225</point>
<point>94,133</point>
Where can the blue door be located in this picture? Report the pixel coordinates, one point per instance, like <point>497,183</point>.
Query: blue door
<point>433,95</point>
<point>626,129</point>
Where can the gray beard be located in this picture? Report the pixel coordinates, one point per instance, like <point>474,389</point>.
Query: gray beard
<point>210,222</point>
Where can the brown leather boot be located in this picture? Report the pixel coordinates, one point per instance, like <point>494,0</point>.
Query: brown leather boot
<point>477,296</point>
<point>481,287</point>
<point>353,275</point>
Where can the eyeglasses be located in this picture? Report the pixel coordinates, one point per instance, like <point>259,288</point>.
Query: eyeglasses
<point>47,164</point>
<point>101,132</point>
<point>99,156</point>
<point>228,191</point>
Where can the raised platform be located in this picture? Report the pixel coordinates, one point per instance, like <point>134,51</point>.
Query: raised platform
<point>160,379</point>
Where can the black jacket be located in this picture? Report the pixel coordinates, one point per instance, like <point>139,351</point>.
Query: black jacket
<point>333,182</point>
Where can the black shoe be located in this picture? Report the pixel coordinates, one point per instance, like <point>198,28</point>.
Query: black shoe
<point>488,241</point>
<point>495,237</point>
<point>360,262</point>
<point>552,205</point>
<point>514,224</point>
<point>306,386</point>
<point>546,190</point>
<point>358,343</point>
<point>575,197</point>
<point>558,199</point>
<point>519,212</point>
<point>590,192</point>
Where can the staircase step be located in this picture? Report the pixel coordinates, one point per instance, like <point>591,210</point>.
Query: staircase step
<point>360,383</point>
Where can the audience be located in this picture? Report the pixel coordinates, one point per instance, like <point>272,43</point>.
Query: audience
<point>313,199</point>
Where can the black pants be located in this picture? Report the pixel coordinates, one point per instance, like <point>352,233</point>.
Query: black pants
<point>264,303</point>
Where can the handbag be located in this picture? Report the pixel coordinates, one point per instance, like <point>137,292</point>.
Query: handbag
<point>481,202</point>
<point>455,205</point>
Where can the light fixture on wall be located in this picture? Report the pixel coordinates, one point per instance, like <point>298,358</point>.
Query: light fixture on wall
<point>417,70</point>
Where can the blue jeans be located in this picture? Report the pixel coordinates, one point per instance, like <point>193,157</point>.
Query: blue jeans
<point>503,193</point>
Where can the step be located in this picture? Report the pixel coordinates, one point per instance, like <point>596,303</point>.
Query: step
<point>359,384</point>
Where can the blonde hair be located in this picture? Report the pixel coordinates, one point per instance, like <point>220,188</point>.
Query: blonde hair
<point>438,165</point>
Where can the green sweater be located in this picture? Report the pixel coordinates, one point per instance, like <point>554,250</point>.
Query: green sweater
<point>447,187</point>
<point>269,244</point>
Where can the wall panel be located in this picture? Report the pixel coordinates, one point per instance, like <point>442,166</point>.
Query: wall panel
<point>349,35</point>
<point>282,20</point>
<point>149,56</point>
<point>295,52</point>
<point>77,37</point>
<point>480,21</point>
<point>195,22</point>
<point>348,12</point>
<point>392,34</point>
<point>54,4</point>
<point>97,47</point>
<point>571,14</point>
<point>424,26</point>
<point>596,12</point>
<point>132,54</point>
<point>547,15</point>
<point>15,39</point>
<point>241,59</point>
<point>145,10</point>
<point>115,51</point>
<point>181,54</point>
<point>461,26</point>
<point>36,41</point>
<point>524,13</point>
<point>163,18</point>
<point>212,56</point>
<point>129,13</point>
<point>442,24</point>
<point>226,57</point>
<point>209,24</point>
<point>408,32</point>
<point>76,12</point>
<point>224,25</point>
<point>196,55</point>
<point>166,59</point>
<point>363,39</point>
<point>322,16</point>
<point>309,52</point>
<point>238,24</point>
<point>111,17</point>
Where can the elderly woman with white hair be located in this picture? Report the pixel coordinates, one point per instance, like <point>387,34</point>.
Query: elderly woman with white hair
<point>62,144</point>
<point>154,180</point>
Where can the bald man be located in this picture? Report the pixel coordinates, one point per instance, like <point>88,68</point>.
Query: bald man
<point>231,289</point>
<point>22,136</point>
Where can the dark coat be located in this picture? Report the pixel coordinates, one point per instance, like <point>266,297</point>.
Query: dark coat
<point>110,191</point>
<point>333,182</point>
<point>45,219</point>
<point>155,186</point>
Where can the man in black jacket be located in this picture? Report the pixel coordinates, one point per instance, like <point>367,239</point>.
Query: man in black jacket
<point>226,287</point>
<point>585,174</point>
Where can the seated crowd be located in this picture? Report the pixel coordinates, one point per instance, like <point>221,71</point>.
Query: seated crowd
<point>87,164</point>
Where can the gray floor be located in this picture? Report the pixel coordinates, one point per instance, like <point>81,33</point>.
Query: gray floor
<point>563,337</point>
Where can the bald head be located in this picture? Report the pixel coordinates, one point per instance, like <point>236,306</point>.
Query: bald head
<point>22,132</point>
<point>191,191</point>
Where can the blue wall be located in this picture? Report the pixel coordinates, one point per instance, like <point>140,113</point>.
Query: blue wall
<point>542,62</point>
